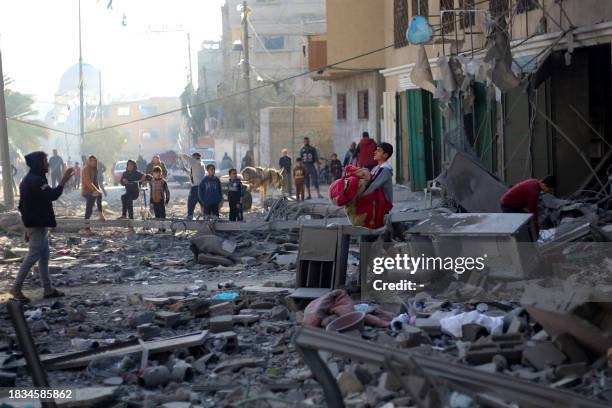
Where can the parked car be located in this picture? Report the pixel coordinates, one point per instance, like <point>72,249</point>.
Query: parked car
<point>118,170</point>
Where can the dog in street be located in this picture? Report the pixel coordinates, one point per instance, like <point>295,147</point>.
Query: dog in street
<point>260,178</point>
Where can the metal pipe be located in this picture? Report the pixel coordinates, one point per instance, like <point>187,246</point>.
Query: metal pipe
<point>321,372</point>
<point>28,348</point>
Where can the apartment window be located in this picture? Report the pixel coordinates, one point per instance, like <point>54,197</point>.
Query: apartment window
<point>274,42</point>
<point>523,6</point>
<point>148,110</point>
<point>448,19</point>
<point>467,17</point>
<point>420,8</point>
<point>400,23</point>
<point>341,106</point>
<point>123,111</point>
<point>362,105</point>
<point>498,8</point>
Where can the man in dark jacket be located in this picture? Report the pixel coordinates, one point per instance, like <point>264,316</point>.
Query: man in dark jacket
<point>365,151</point>
<point>56,167</point>
<point>36,208</point>
<point>310,158</point>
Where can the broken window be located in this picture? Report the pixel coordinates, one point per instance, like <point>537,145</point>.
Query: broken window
<point>523,6</point>
<point>499,8</point>
<point>420,8</point>
<point>400,23</point>
<point>362,104</point>
<point>448,19</point>
<point>467,16</point>
<point>341,106</point>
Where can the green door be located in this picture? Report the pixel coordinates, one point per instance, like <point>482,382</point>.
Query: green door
<point>423,138</point>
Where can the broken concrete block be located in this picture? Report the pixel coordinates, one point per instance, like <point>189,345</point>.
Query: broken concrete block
<point>167,319</point>
<point>211,244</point>
<point>245,318</point>
<point>236,364</point>
<point>220,324</point>
<point>134,298</point>
<point>411,336</point>
<point>156,301</point>
<point>389,382</point>
<point>136,319</point>
<point>543,355</point>
<point>279,313</point>
<point>348,383</point>
<point>147,331</point>
<point>223,308</point>
<point>261,304</point>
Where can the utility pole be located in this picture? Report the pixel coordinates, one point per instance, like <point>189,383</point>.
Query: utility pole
<point>7,172</point>
<point>81,98</point>
<point>247,74</point>
<point>189,58</point>
<point>100,102</point>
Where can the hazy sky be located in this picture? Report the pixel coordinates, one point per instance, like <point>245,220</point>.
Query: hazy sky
<point>39,41</point>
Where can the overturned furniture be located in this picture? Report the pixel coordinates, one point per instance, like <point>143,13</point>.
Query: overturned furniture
<point>322,258</point>
<point>505,240</point>
<point>471,186</point>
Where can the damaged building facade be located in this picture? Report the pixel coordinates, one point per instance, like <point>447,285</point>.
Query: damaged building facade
<point>548,114</point>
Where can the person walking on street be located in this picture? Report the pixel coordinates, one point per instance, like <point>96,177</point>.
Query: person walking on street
<point>156,162</point>
<point>196,174</point>
<point>234,196</point>
<point>351,155</point>
<point>36,207</point>
<point>141,163</point>
<point>298,178</point>
<point>210,193</point>
<point>365,152</point>
<point>310,159</point>
<point>77,175</point>
<point>90,188</point>
<point>226,162</point>
<point>247,160</point>
<point>285,164</point>
<point>56,168</point>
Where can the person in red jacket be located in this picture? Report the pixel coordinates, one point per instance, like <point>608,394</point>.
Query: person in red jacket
<point>365,151</point>
<point>526,195</point>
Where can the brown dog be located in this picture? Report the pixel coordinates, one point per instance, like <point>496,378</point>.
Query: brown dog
<point>260,178</point>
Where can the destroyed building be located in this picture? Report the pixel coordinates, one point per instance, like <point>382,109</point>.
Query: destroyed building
<point>450,303</point>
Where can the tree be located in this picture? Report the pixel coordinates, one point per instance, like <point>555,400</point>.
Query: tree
<point>25,137</point>
<point>105,144</point>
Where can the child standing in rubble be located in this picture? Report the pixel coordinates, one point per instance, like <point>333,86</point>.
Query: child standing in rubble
<point>131,179</point>
<point>209,192</point>
<point>234,196</point>
<point>298,179</point>
<point>160,193</point>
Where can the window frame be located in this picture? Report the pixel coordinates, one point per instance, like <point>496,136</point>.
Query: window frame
<point>363,102</point>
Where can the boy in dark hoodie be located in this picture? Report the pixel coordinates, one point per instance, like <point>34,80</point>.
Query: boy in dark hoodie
<point>234,196</point>
<point>131,179</point>
<point>36,208</point>
<point>209,192</point>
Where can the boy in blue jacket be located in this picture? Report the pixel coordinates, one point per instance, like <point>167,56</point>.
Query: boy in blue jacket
<point>234,196</point>
<point>209,192</point>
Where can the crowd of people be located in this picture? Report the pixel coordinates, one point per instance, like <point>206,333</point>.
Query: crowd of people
<point>307,169</point>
